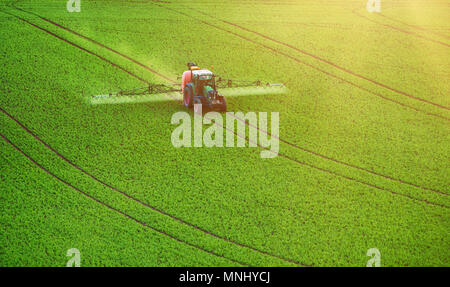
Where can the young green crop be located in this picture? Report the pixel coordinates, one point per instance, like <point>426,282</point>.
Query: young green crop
<point>302,206</point>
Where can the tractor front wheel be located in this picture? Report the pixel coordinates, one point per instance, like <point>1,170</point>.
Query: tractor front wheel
<point>187,97</point>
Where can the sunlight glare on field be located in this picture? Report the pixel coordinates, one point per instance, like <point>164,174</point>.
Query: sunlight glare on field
<point>254,91</point>
<point>119,99</point>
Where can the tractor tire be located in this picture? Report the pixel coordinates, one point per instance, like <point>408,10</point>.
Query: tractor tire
<point>188,97</point>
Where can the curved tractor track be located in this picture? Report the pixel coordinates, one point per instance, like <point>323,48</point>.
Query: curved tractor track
<point>282,140</point>
<point>152,207</point>
<point>327,62</point>
<point>414,27</point>
<point>13,5</point>
<point>133,198</point>
<point>113,208</point>
<point>313,66</point>
<point>390,27</point>
<point>117,189</point>
<point>287,142</point>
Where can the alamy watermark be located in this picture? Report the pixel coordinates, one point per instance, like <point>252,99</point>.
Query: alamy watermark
<point>213,136</point>
<point>375,260</point>
<point>76,257</point>
<point>73,6</point>
<point>373,6</point>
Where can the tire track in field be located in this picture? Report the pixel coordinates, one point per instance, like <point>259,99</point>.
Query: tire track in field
<point>310,65</point>
<point>97,43</point>
<point>334,173</point>
<point>340,175</point>
<point>282,140</point>
<point>273,50</point>
<point>401,30</point>
<point>195,226</point>
<point>415,27</point>
<point>122,192</point>
<point>79,47</point>
<point>159,211</point>
<point>291,144</point>
<point>172,81</point>
<point>325,61</point>
<point>113,208</point>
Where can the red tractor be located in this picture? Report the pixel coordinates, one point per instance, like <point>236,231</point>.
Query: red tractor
<point>199,87</point>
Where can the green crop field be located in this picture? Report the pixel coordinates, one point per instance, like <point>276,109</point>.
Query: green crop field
<point>364,134</point>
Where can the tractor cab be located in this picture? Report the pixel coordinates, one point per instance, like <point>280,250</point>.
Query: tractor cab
<point>202,75</point>
<point>203,81</point>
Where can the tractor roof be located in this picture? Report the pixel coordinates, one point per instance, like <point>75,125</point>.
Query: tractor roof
<point>203,74</point>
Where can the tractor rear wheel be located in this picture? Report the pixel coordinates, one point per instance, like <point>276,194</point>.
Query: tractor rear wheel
<point>187,97</point>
